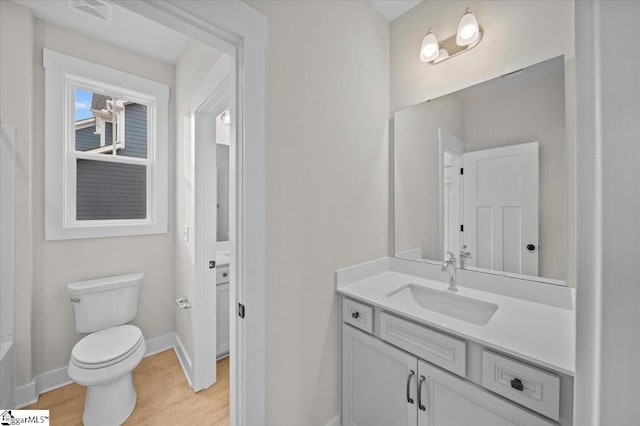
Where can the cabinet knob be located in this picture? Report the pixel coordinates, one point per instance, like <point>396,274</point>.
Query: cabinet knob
<point>517,385</point>
<point>531,247</point>
<point>225,275</point>
<point>355,314</point>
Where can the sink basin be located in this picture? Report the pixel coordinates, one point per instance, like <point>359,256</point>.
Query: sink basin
<point>446,303</point>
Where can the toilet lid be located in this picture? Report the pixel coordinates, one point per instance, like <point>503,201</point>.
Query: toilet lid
<point>106,347</point>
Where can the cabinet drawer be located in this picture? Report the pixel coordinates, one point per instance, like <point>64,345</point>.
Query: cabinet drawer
<point>222,275</point>
<point>357,314</point>
<point>521,383</point>
<point>430,345</point>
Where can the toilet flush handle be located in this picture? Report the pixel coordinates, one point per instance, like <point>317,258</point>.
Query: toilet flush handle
<point>75,300</point>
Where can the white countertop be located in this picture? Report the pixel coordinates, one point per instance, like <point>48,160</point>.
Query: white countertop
<point>536,332</point>
<point>222,258</point>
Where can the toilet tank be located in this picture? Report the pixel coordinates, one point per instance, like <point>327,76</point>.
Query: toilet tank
<point>105,302</point>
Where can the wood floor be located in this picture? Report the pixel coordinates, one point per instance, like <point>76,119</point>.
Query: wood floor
<point>164,397</point>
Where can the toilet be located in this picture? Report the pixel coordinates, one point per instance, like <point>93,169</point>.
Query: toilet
<point>104,359</point>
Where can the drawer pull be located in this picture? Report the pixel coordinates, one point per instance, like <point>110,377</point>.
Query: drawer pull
<point>411,374</point>
<point>517,384</point>
<point>420,406</point>
<point>355,314</point>
<point>225,275</point>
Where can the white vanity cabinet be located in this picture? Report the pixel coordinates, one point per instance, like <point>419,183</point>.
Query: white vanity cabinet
<point>222,311</point>
<point>378,382</point>
<point>447,400</point>
<point>399,382</point>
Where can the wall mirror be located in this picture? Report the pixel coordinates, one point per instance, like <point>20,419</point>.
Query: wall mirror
<point>484,171</point>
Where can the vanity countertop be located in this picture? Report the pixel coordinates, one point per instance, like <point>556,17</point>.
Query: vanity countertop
<point>536,332</point>
<point>222,258</point>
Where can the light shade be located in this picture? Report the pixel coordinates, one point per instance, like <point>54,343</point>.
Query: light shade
<point>468,29</point>
<point>430,48</point>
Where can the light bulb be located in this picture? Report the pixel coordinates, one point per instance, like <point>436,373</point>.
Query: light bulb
<point>430,48</point>
<point>226,117</point>
<point>468,29</point>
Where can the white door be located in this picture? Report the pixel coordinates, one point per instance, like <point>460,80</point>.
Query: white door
<point>378,382</point>
<point>501,208</point>
<point>446,400</point>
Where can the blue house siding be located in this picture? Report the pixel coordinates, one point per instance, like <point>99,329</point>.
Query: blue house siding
<point>87,139</point>
<point>106,190</point>
<point>135,131</point>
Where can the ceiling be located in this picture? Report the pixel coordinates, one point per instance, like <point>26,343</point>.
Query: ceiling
<point>391,9</point>
<point>124,29</point>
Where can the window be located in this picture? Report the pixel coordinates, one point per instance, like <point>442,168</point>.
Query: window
<point>105,151</point>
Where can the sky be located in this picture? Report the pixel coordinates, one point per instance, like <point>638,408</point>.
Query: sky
<point>83,104</point>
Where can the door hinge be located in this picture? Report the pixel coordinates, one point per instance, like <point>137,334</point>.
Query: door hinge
<point>461,228</point>
<point>240,310</point>
<point>462,170</point>
<point>212,264</point>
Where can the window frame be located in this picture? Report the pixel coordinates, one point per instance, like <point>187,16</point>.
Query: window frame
<point>63,74</point>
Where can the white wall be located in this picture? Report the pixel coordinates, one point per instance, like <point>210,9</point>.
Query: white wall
<point>60,262</point>
<point>516,34</point>
<point>192,67</point>
<point>327,199</point>
<point>16,107</point>
<point>608,296</point>
<point>416,180</point>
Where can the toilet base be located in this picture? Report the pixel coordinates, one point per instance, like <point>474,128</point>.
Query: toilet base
<point>111,403</point>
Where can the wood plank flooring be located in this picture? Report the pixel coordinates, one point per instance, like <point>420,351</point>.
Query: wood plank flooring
<point>164,397</point>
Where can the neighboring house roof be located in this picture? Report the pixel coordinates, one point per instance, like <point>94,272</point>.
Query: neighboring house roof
<point>99,102</point>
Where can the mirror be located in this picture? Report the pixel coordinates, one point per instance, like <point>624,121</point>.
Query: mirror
<point>483,171</point>
<point>223,136</point>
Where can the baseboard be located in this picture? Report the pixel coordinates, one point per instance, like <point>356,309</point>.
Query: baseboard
<point>336,421</point>
<point>183,358</point>
<point>160,344</point>
<point>28,394</point>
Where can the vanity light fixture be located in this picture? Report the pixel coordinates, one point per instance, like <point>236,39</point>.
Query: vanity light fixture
<point>468,29</point>
<point>430,48</point>
<point>226,117</point>
<point>466,38</point>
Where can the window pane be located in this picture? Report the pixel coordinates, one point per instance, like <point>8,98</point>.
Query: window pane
<point>93,117</point>
<point>94,125</point>
<point>135,131</point>
<point>106,190</point>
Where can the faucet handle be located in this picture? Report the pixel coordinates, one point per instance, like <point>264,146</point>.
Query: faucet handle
<point>451,256</point>
<point>464,252</point>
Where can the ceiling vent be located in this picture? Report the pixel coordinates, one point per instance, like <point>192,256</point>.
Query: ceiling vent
<point>97,8</point>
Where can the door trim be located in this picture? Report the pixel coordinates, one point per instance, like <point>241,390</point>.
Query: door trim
<point>241,32</point>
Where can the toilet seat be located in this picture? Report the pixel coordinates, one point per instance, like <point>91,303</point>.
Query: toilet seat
<point>106,347</point>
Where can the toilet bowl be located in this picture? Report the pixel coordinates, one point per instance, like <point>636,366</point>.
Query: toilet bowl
<point>104,359</point>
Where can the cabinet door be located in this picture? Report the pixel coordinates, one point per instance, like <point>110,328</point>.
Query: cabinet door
<point>222,316</point>
<point>449,401</point>
<point>378,382</point>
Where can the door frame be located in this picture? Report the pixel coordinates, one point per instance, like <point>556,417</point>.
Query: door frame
<point>447,142</point>
<point>209,100</point>
<point>241,32</point>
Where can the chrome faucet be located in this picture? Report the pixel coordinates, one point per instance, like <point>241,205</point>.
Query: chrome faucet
<point>450,265</point>
<point>464,254</point>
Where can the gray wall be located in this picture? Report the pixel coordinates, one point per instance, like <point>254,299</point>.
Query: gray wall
<point>327,188</point>
<point>57,263</point>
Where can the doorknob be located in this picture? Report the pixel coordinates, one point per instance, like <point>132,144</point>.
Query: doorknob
<point>531,247</point>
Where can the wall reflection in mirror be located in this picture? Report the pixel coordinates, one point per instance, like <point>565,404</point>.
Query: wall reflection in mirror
<point>482,173</point>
